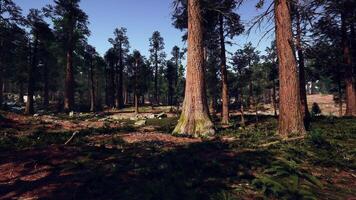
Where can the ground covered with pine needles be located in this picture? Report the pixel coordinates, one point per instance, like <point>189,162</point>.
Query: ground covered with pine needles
<point>116,159</point>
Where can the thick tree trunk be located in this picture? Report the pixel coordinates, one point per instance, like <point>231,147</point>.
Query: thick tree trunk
<point>29,110</point>
<point>92,89</point>
<point>303,93</point>
<point>349,79</point>
<point>195,120</point>
<point>224,82</point>
<point>69,81</point>
<point>46,87</point>
<point>290,117</point>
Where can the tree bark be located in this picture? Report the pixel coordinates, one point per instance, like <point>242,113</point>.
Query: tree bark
<point>303,93</point>
<point>119,94</point>
<point>1,83</point>
<point>69,81</point>
<point>349,79</point>
<point>340,98</point>
<point>290,117</point>
<point>92,88</point>
<point>46,87</point>
<point>136,86</point>
<point>156,78</point>
<point>224,82</point>
<point>112,85</point>
<point>21,92</point>
<point>274,98</point>
<point>195,120</point>
<point>29,110</point>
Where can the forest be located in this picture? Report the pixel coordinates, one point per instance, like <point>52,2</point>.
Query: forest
<point>217,118</point>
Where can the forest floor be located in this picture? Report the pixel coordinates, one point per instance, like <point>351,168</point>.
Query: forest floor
<point>113,157</point>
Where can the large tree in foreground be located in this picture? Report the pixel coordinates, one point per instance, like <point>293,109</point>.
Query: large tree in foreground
<point>290,118</point>
<point>71,25</point>
<point>195,119</point>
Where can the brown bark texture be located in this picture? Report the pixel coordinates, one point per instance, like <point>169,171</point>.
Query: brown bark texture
<point>224,82</point>
<point>349,79</point>
<point>290,117</point>
<point>195,120</point>
<point>303,93</point>
<point>69,80</point>
<point>29,110</point>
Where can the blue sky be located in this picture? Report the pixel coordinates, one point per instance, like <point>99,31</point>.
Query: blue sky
<point>141,18</point>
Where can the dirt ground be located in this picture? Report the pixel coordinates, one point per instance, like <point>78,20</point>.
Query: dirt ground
<point>112,158</point>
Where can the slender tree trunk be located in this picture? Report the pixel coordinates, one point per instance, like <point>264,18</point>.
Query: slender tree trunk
<point>224,82</point>
<point>112,85</point>
<point>21,92</point>
<point>242,123</point>
<point>250,96</point>
<point>92,88</point>
<point>1,83</point>
<point>106,75</point>
<point>340,99</point>
<point>156,79</point>
<point>349,79</point>
<point>69,81</point>
<point>117,82</point>
<point>46,87</point>
<point>136,98</point>
<point>120,80</point>
<point>1,70</point>
<point>29,110</point>
<point>303,93</point>
<point>290,117</point>
<point>195,120</point>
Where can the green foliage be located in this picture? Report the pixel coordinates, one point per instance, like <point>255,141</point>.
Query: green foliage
<point>286,180</point>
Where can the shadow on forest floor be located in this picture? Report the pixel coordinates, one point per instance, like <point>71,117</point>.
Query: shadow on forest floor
<point>101,163</point>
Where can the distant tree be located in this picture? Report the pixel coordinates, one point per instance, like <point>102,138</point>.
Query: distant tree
<point>10,14</point>
<point>229,25</point>
<point>157,58</point>
<point>252,58</point>
<point>271,62</point>
<point>121,46</point>
<point>136,63</point>
<point>300,17</point>
<point>90,57</point>
<point>39,31</point>
<point>171,76</point>
<point>177,56</point>
<point>195,119</point>
<point>70,23</point>
<point>110,59</point>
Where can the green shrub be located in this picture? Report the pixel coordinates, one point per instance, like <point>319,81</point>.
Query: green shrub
<point>284,179</point>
